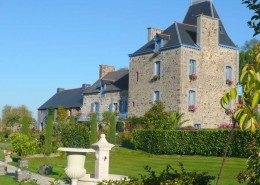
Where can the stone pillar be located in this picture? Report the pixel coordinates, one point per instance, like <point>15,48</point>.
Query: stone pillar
<point>102,148</point>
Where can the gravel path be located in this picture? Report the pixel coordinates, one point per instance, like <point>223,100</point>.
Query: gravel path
<point>41,180</point>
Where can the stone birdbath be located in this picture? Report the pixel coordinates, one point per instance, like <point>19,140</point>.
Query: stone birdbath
<point>75,163</point>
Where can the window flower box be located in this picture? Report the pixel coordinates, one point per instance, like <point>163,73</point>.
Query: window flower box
<point>193,77</point>
<point>155,78</point>
<point>192,108</point>
<point>229,82</point>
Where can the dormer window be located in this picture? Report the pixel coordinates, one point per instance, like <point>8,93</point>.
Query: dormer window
<point>160,40</point>
<point>102,88</point>
<point>158,43</point>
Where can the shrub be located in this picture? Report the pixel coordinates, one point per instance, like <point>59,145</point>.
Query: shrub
<point>112,129</point>
<point>125,139</point>
<point>120,126</point>
<point>204,142</point>
<point>75,136</point>
<point>26,121</point>
<point>158,118</point>
<point>49,132</point>
<point>252,173</point>
<point>93,127</point>
<point>23,145</point>
<point>168,176</point>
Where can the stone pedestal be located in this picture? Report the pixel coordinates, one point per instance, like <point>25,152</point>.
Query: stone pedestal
<point>75,163</point>
<point>102,148</point>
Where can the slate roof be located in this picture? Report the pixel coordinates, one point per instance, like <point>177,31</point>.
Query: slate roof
<point>115,81</point>
<point>185,33</point>
<point>72,98</point>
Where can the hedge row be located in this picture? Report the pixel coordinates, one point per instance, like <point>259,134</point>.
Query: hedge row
<point>75,136</point>
<point>205,142</point>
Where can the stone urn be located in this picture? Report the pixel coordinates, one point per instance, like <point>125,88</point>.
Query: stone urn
<point>75,163</point>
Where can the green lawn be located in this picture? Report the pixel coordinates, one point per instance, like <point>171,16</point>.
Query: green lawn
<point>131,163</point>
<point>9,180</point>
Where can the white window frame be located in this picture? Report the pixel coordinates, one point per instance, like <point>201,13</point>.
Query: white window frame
<point>194,101</point>
<point>228,76</point>
<point>192,67</point>
<point>157,72</point>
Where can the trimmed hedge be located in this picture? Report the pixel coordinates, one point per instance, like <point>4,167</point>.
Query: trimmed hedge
<point>75,136</point>
<point>205,142</point>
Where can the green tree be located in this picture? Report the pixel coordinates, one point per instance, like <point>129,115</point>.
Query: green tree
<point>13,115</point>
<point>26,122</point>
<point>48,132</point>
<point>93,129</point>
<point>244,54</point>
<point>112,129</point>
<point>61,114</point>
<point>254,23</point>
<point>158,118</point>
<point>247,114</point>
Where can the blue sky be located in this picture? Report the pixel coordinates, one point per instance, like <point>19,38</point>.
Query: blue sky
<point>47,44</point>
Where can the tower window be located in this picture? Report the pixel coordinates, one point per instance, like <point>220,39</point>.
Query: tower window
<point>156,96</point>
<point>157,68</point>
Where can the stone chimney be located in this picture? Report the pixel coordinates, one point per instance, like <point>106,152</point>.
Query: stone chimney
<point>152,32</point>
<point>60,90</point>
<point>85,86</point>
<point>104,69</point>
<point>207,32</point>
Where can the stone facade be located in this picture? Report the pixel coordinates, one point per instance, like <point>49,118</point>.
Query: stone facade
<point>104,101</point>
<point>174,84</point>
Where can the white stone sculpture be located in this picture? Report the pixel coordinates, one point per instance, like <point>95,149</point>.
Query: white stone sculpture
<point>102,148</point>
<point>75,163</point>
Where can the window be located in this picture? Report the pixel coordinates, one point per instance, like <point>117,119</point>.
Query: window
<point>137,76</point>
<point>95,107</point>
<point>156,96</point>
<point>229,73</point>
<point>157,68</point>
<point>192,97</point>
<point>123,106</point>
<point>157,43</point>
<point>197,125</point>
<point>192,67</point>
<point>133,104</point>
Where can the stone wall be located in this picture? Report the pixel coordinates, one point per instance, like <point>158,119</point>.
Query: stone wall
<point>175,83</point>
<point>141,92</point>
<point>105,101</point>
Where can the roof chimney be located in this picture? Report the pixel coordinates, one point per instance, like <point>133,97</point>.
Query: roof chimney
<point>192,2</point>
<point>105,69</point>
<point>60,90</point>
<point>152,32</point>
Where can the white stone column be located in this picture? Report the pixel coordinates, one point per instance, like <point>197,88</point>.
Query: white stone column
<point>102,148</point>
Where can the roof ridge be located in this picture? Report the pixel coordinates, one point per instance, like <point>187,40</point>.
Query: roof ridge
<point>178,32</point>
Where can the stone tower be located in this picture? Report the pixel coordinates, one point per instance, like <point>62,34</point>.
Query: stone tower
<point>187,66</point>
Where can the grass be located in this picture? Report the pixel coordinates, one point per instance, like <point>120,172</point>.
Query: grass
<point>131,163</point>
<point>9,180</point>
